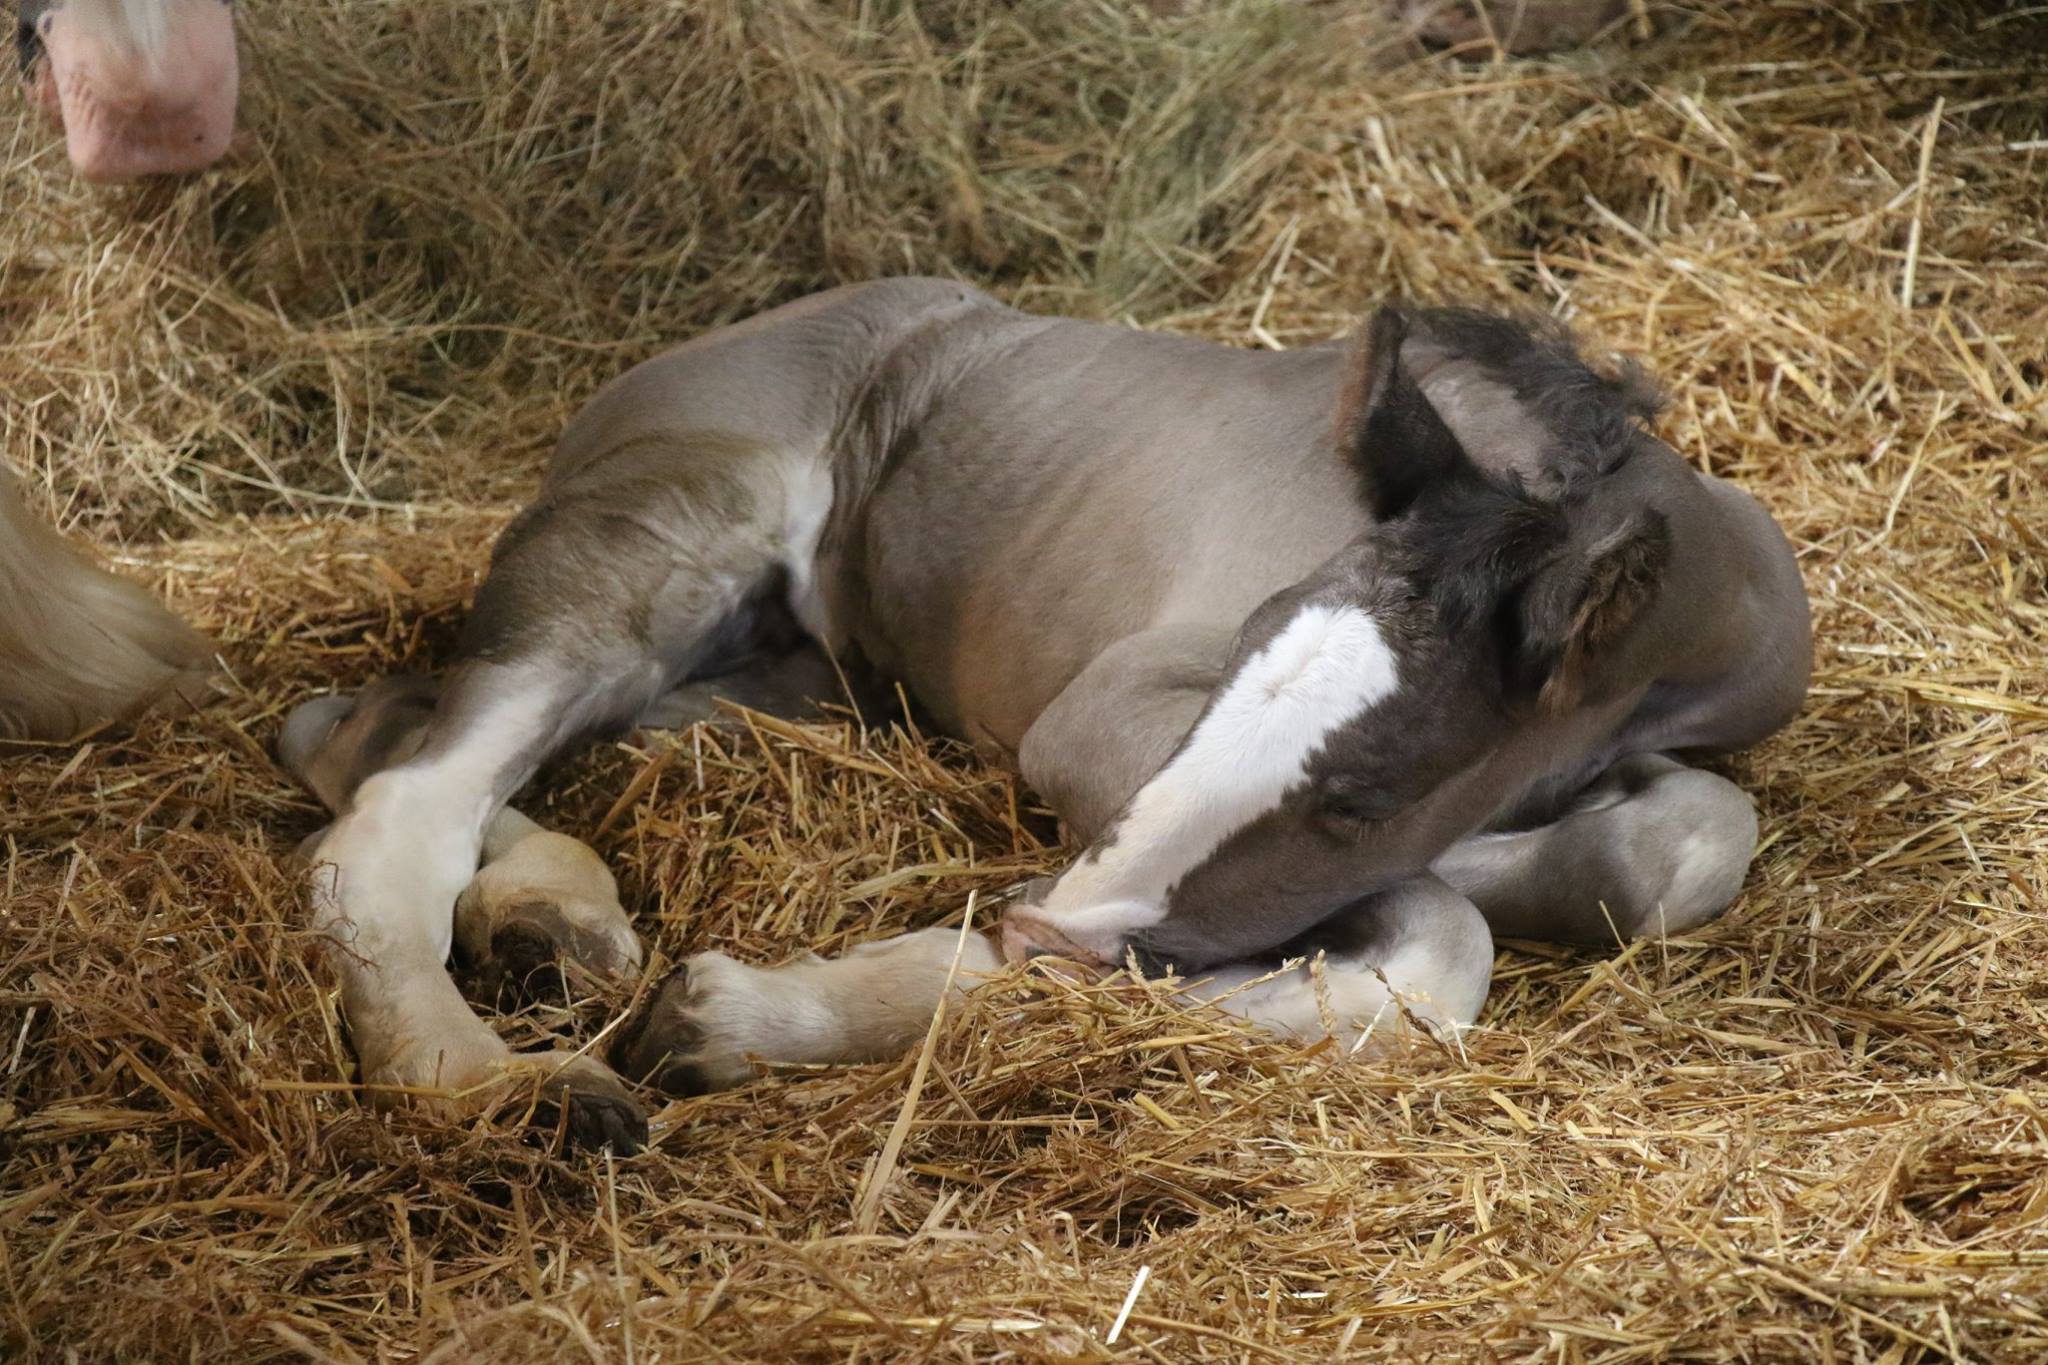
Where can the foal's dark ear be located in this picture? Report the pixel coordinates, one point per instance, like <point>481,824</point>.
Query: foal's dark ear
<point>1387,428</point>
<point>1577,609</point>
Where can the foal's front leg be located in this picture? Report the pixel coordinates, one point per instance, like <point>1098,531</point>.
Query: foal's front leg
<point>1650,847</point>
<point>1418,951</point>
<point>1109,730</point>
<point>712,1014</point>
<point>1119,720</point>
<point>1419,954</point>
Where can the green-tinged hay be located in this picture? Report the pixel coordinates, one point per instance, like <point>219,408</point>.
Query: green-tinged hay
<point>1813,1131</point>
<point>466,215</point>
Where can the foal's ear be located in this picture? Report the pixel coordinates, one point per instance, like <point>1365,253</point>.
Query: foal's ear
<point>1387,427</point>
<point>1576,610</point>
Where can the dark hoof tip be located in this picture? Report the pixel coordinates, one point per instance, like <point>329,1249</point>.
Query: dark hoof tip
<point>598,1122</point>
<point>525,964</point>
<point>680,1080</point>
<point>593,1115</point>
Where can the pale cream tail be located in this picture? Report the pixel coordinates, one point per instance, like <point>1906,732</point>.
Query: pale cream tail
<point>78,645</point>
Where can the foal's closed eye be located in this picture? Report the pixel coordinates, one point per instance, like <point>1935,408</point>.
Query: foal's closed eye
<point>1358,800</point>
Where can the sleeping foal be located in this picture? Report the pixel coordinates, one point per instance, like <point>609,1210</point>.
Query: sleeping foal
<point>1371,650</point>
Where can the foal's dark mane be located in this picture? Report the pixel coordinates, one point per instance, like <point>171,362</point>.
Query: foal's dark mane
<point>1593,418</point>
<point>1470,540</point>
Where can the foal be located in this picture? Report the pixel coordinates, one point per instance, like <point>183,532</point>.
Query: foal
<point>1371,649</point>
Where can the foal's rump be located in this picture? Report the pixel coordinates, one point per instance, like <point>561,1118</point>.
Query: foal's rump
<point>77,645</point>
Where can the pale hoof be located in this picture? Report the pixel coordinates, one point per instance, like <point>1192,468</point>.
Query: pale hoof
<point>535,954</point>
<point>538,913</point>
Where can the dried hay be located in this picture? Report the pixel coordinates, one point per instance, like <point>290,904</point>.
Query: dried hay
<point>1813,1131</point>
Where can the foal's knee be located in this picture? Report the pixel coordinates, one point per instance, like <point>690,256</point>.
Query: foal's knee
<point>1442,951</point>
<point>1692,854</point>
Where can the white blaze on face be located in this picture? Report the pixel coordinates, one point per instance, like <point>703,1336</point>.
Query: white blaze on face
<point>1326,667</point>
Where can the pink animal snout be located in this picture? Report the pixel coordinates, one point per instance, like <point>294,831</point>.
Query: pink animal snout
<point>143,87</point>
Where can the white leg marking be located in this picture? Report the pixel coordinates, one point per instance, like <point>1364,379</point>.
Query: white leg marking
<point>412,831</point>
<point>384,886</point>
<point>807,492</point>
<point>866,1006</point>
<point>1436,984</point>
<point>1324,668</point>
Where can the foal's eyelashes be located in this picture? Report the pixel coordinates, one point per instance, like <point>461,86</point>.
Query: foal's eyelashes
<point>1358,801</point>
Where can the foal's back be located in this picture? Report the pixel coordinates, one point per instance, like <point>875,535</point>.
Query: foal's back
<point>1017,493</point>
<point>1008,494</point>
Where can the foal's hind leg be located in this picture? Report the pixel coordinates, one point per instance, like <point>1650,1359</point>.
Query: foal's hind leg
<point>797,684</point>
<point>597,603</point>
<point>540,898</point>
<point>1651,847</point>
<point>385,881</point>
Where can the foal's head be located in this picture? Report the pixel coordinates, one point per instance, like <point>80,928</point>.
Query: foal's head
<point>1489,630</point>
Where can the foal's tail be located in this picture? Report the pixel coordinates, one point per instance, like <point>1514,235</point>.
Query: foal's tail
<point>77,645</point>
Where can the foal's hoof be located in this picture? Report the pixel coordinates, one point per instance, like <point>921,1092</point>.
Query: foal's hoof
<point>536,954</point>
<point>669,1043</point>
<point>308,728</point>
<point>537,914</point>
<point>525,964</point>
<point>578,1094</point>
<point>591,1107</point>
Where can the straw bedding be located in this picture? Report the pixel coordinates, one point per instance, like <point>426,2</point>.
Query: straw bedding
<point>300,394</point>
